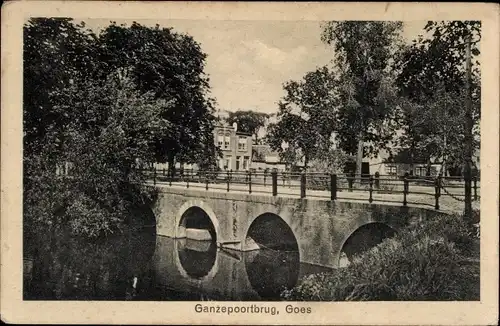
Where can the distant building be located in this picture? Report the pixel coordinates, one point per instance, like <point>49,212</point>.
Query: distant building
<point>236,148</point>
<point>387,164</point>
<point>266,159</point>
<point>398,164</point>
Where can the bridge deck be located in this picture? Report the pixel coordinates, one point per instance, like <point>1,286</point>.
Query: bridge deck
<point>446,203</point>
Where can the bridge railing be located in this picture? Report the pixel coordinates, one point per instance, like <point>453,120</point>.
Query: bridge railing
<point>372,188</point>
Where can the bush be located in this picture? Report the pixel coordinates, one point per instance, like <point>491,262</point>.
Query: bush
<point>453,228</point>
<point>423,262</point>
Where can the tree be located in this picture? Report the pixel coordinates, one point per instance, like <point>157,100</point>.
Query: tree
<point>170,65</point>
<point>248,121</point>
<point>112,125</point>
<point>363,52</point>
<point>431,81</point>
<point>102,103</point>
<point>306,117</point>
<point>440,60</point>
<point>56,53</point>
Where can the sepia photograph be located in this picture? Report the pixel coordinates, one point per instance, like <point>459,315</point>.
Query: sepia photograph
<point>245,162</point>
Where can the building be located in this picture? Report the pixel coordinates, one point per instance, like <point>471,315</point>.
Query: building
<point>398,165</point>
<point>265,159</point>
<point>236,148</point>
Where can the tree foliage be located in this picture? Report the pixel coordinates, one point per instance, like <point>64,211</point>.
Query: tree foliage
<point>248,121</point>
<point>306,117</point>
<point>431,85</point>
<point>171,66</point>
<point>103,103</point>
<point>363,59</point>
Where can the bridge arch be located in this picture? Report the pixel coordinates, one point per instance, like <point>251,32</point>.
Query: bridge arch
<point>207,278</point>
<point>205,208</point>
<point>364,237</point>
<point>273,231</point>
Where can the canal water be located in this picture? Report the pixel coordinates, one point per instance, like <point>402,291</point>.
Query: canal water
<point>143,266</point>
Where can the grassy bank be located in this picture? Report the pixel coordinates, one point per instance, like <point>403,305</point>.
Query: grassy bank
<point>432,260</point>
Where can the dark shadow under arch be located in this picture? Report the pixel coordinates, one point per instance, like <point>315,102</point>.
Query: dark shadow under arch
<point>365,238</point>
<point>271,231</point>
<point>196,218</point>
<point>276,266</point>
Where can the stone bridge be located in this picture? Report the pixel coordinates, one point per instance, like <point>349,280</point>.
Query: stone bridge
<point>321,230</point>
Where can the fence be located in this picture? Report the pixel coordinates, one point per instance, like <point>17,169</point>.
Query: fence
<point>406,189</point>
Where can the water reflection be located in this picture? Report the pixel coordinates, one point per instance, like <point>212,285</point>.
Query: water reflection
<point>197,258</point>
<point>271,271</point>
<point>145,267</point>
<point>69,268</point>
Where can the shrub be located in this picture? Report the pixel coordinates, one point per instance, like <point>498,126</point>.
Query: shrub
<point>423,262</point>
<point>453,228</point>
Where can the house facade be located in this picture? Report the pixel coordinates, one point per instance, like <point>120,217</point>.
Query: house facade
<point>236,148</point>
<point>398,165</point>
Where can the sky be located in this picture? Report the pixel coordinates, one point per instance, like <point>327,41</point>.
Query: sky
<point>248,61</point>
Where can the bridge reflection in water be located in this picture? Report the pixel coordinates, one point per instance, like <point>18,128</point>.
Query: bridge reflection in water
<point>198,267</point>
<point>147,267</point>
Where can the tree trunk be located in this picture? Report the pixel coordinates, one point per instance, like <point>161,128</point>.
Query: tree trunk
<point>412,164</point>
<point>359,157</point>
<point>171,164</point>
<point>306,161</point>
<point>468,135</point>
<point>428,172</point>
<point>443,165</point>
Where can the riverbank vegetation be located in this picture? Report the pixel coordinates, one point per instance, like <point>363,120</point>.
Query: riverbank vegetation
<point>98,105</point>
<point>429,260</point>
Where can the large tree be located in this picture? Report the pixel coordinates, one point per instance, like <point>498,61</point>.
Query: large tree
<point>306,117</point>
<point>171,65</point>
<point>56,53</point>
<point>102,103</point>
<point>431,83</point>
<point>363,53</point>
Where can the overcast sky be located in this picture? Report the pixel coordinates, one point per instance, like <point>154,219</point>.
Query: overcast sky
<point>248,61</point>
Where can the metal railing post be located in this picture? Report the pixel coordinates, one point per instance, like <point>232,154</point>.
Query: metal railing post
<point>154,176</point>
<point>265,174</point>
<point>405,189</point>
<point>475,188</point>
<point>377,180</point>
<point>163,171</point>
<point>206,181</point>
<point>438,191</point>
<point>371,189</point>
<point>274,176</point>
<point>186,176</point>
<point>333,186</point>
<point>350,180</point>
<point>303,185</point>
<point>249,181</point>
<point>228,176</point>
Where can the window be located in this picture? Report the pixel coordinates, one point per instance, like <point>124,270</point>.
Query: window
<point>420,171</point>
<point>391,170</point>
<point>220,140</point>
<point>245,163</point>
<point>227,141</point>
<point>228,163</point>
<point>242,143</point>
